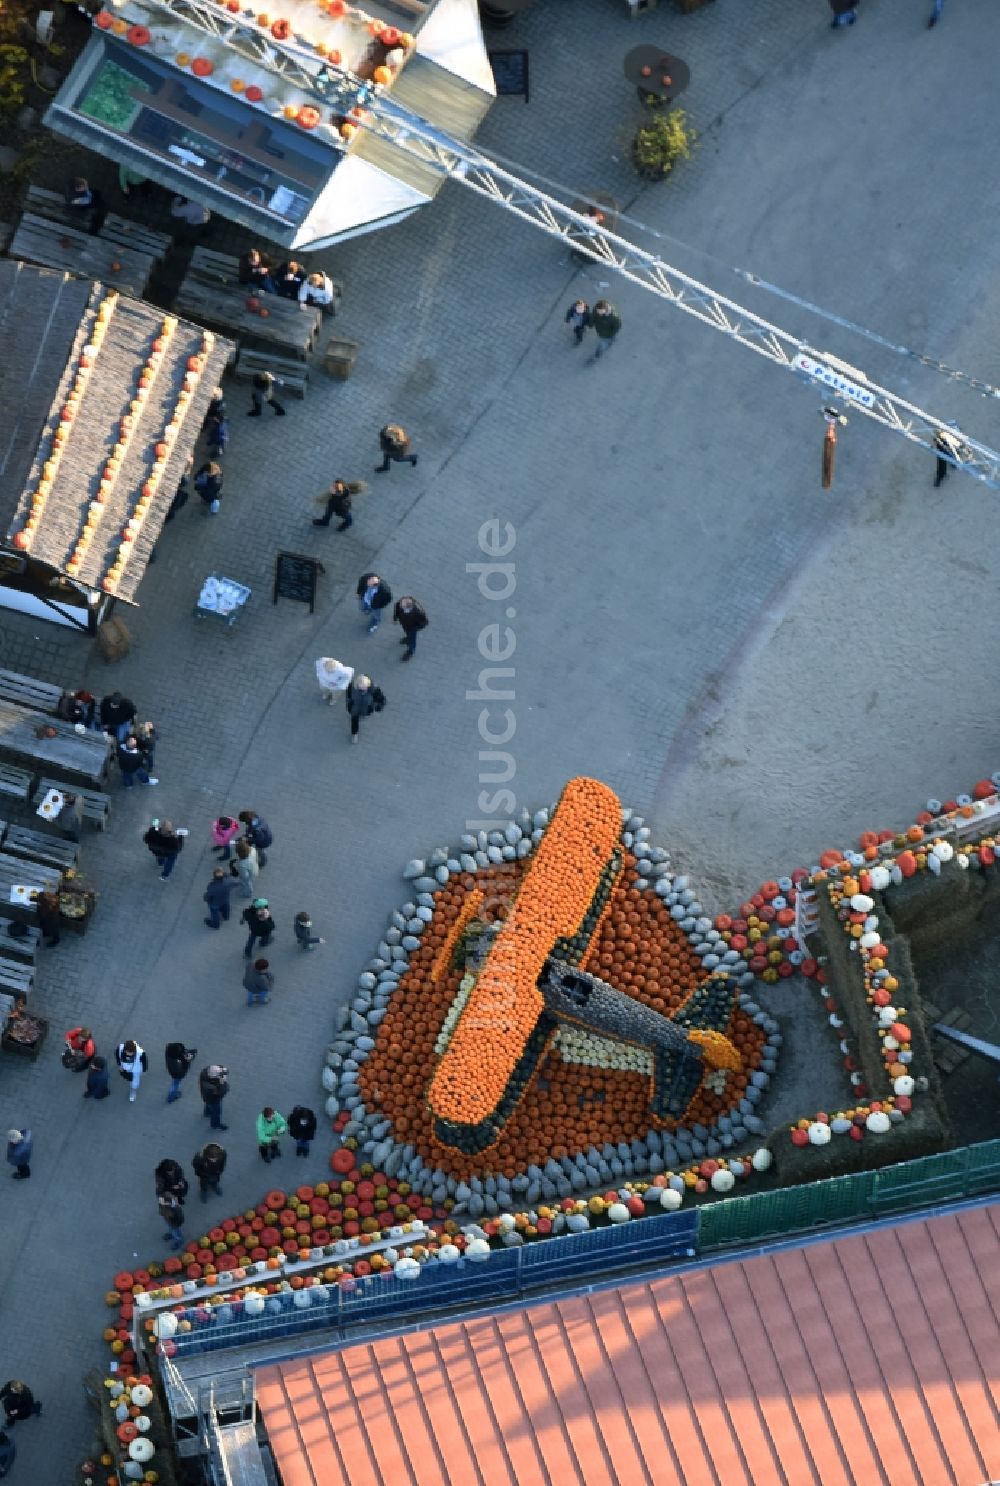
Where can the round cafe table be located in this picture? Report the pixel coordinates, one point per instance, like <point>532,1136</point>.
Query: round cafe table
<point>666,78</point>
<point>499,12</point>
<point>596,201</point>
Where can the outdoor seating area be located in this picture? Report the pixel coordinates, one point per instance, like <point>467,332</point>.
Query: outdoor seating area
<point>54,234</point>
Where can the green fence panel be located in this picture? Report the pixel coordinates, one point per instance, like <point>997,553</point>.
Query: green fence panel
<point>983,1170</point>
<point>920,1182</point>
<point>787,1210</point>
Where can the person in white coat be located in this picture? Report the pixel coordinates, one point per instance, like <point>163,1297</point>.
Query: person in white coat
<point>333,677</point>
<point>317,290</point>
<point>246,865</point>
<point>132,1064</point>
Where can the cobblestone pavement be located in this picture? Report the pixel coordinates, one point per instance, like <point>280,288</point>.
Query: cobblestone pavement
<point>666,512</point>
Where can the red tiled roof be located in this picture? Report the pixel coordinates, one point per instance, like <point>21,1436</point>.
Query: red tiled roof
<point>870,1360</point>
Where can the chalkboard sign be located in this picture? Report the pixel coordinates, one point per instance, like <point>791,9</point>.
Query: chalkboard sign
<point>295,578</point>
<point>510,72</point>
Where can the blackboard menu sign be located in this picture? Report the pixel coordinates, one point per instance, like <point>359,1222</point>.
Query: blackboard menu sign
<point>510,73</point>
<point>295,578</point>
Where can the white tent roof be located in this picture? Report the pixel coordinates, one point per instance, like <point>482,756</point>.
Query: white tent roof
<point>451,37</point>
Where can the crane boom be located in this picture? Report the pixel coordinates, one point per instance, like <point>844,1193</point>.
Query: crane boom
<point>381,116</point>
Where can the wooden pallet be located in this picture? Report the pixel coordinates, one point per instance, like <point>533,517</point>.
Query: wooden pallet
<point>16,782</point>
<point>293,374</point>
<point>42,696</point>
<point>11,944</point>
<point>948,1055</point>
<point>211,267</point>
<point>96,806</point>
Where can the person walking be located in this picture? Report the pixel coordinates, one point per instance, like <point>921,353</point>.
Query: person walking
<point>132,1064</point>
<point>257,832</point>
<point>262,391</point>
<point>337,502</point>
<point>333,677</point>
<point>304,936</point>
<point>78,1049</point>
<point>363,698</point>
<point>116,713</point>
<point>19,1144</point>
<point>18,1401</point>
<point>258,982</point>
<point>607,322</point>
<point>935,14</point>
<point>224,833</point>
<point>217,895</point>
<point>98,1086</point>
<point>217,432</point>
<point>8,1453</point>
<point>208,1164</point>
<point>394,442</point>
<point>208,483</point>
<point>178,1059</point>
<point>169,1177</point>
<point>132,763</point>
<point>412,619</point>
<point>374,595</point>
<point>260,925</point>
<point>166,843</point>
<point>172,1213</point>
<point>302,1128</point>
<point>578,316</point>
<point>845,13</point>
<point>271,1126</point>
<point>48,910</point>
<point>947,443</point>
<point>245,867</point>
<point>213,1083</point>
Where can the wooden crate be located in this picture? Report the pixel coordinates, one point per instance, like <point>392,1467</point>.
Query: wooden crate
<point>113,639</point>
<point>339,357</point>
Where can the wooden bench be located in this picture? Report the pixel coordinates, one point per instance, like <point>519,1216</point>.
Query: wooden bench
<point>95,805</point>
<point>294,374</point>
<point>211,267</point>
<point>37,847</point>
<point>15,976</point>
<point>12,944</point>
<point>53,204</point>
<point>129,234</point>
<point>16,782</point>
<point>42,696</point>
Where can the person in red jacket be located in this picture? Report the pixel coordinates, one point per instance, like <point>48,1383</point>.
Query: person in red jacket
<point>80,1048</point>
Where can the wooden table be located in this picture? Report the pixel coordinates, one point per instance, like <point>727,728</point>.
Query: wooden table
<point>286,323</point>
<point>71,251</point>
<point>31,874</point>
<point>68,752</point>
<point>666,78</point>
<point>128,234</point>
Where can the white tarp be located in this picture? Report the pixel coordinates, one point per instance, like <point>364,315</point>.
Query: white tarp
<point>451,36</point>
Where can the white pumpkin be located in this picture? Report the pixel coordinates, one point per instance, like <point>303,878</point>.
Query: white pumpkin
<point>142,1395</point>
<point>861,903</point>
<point>618,1213</point>
<point>880,877</point>
<point>407,1269</point>
<point>761,1160</point>
<point>142,1449</point>
<point>254,1305</point>
<point>166,1325</point>
<point>143,1423</point>
<point>670,1199</point>
<point>477,1249</point>
<point>904,1084</point>
<point>448,1253</point>
<point>723,1180</point>
<point>819,1133</point>
<point>943,850</point>
<point>878,1122</point>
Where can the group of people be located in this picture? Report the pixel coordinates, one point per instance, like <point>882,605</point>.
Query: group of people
<point>288,280</point>
<point>603,319</point>
<point>361,696</point>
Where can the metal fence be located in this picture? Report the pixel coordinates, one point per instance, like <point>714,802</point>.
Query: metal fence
<point>600,1254</point>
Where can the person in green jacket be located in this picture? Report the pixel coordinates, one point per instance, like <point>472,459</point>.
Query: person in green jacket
<point>271,1126</point>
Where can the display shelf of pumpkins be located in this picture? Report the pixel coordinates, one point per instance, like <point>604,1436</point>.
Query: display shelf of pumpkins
<point>136,1435</point>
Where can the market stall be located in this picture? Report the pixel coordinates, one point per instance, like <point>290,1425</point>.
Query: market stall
<point>104,398</point>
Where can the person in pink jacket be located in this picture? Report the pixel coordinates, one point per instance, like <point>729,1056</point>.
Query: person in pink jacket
<point>224,832</point>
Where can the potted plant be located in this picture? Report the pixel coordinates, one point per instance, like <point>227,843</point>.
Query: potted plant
<point>658,145</point>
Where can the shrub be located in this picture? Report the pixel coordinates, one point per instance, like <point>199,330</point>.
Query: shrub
<point>658,145</point>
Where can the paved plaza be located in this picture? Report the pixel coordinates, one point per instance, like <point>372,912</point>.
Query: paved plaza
<point>763,668</point>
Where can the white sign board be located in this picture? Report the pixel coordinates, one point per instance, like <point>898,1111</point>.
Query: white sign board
<point>835,380</point>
